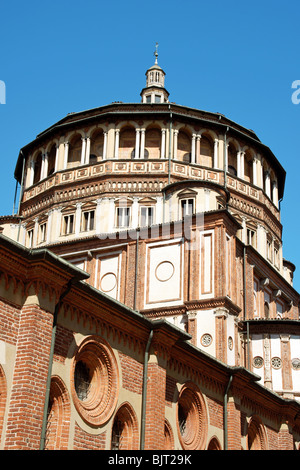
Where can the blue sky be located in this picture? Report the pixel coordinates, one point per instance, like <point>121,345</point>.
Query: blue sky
<point>236,58</point>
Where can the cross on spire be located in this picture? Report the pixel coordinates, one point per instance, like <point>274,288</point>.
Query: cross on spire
<point>156,53</point>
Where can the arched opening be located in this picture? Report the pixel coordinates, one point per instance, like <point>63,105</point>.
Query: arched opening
<point>124,434</point>
<point>214,444</point>
<point>127,143</point>
<point>168,437</point>
<point>191,418</point>
<point>97,145</point>
<point>248,167</point>
<point>232,159</point>
<point>51,160</point>
<point>152,143</point>
<point>184,147</point>
<point>59,412</point>
<point>256,436</point>
<point>206,151</point>
<point>75,148</point>
<point>37,168</point>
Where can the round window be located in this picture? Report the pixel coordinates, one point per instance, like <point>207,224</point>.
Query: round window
<point>94,381</point>
<point>191,418</point>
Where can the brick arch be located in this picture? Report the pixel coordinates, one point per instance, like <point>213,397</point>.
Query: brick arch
<point>125,434</point>
<point>256,434</point>
<point>214,444</point>
<point>169,436</point>
<point>59,413</point>
<point>3,396</point>
<point>192,418</point>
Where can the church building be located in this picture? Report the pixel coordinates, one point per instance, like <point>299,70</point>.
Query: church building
<point>145,301</point>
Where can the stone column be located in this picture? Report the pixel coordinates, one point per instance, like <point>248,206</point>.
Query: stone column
<point>98,216</point>
<point>44,171</point>
<point>66,153</point>
<point>88,150</point>
<point>31,179</point>
<point>275,193</point>
<point>105,146</point>
<point>56,159</point>
<point>137,144</point>
<point>268,184</point>
<point>175,144</point>
<point>193,153</point>
<point>83,150</point>
<point>216,146</point>
<point>254,169</point>
<point>198,144</point>
<point>142,155</point>
<point>117,138</point>
<point>238,164</point>
<point>242,163</point>
<point>35,232</point>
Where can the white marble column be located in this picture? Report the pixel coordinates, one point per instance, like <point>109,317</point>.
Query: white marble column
<point>46,163</point>
<point>137,144</point>
<point>88,150</point>
<point>104,145</point>
<point>238,164</point>
<point>193,149</point>
<point>35,232</point>
<point>216,147</point>
<point>242,165</point>
<point>163,143</point>
<point>56,159</point>
<point>198,148</point>
<point>142,155</point>
<point>175,144</point>
<point>83,150</point>
<point>268,184</point>
<point>117,139</point>
<point>31,178</point>
<point>254,170</point>
<point>275,193</point>
<point>66,153</point>
<point>98,216</point>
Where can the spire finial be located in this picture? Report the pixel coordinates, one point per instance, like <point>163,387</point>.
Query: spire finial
<point>156,53</point>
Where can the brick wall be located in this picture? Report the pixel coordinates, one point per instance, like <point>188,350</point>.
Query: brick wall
<point>85,441</point>
<point>26,404</point>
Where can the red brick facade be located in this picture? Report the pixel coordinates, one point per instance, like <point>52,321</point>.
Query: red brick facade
<point>185,387</point>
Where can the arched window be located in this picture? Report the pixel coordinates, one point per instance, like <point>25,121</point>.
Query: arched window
<point>184,147</point>
<point>51,160</point>
<point>248,167</point>
<point>152,143</point>
<point>206,152</point>
<point>256,436</point>
<point>59,412</point>
<point>124,435</point>
<point>37,168</point>
<point>97,144</point>
<point>232,160</point>
<point>191,418</point>
<point>127,143</point>
<point>74,155</point>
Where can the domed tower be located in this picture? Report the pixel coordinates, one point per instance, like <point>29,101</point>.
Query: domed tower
<point>155,91</point>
